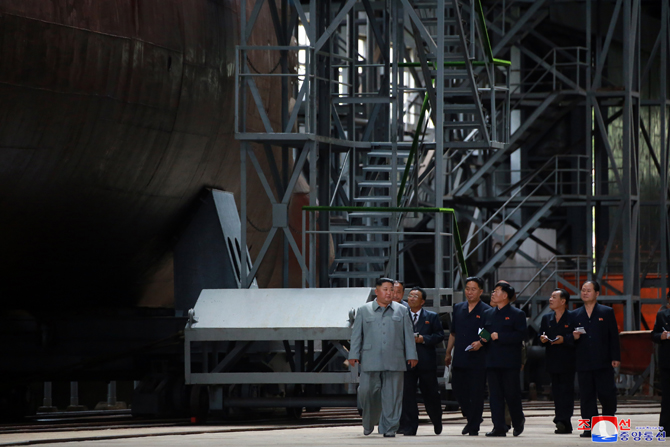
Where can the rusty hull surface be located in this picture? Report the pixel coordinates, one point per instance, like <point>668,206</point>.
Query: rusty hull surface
<point>114,115</point>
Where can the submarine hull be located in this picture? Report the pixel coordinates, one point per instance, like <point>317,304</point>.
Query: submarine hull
<point>113,118</point>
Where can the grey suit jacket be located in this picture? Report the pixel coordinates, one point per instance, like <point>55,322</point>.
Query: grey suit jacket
<point>382,339</point>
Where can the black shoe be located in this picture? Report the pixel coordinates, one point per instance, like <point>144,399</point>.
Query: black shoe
<point>390,434</point>
<point>473,433</point>
<point>367,432</point>
<point>495,432</point>
<point>438,428</point>
<point>562,428</point>
<point>518,430</point>
<point>466,429</point>
<point>585,434</point>
<point>409,433</point>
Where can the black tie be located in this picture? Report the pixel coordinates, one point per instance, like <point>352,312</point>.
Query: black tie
<point>415,317</point>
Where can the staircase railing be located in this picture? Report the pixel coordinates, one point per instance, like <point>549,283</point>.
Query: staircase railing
<point>560,271</point>
<point>307,262</point>
<point>501,211</point>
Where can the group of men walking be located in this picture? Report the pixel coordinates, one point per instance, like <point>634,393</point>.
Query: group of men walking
<point>395,344</point>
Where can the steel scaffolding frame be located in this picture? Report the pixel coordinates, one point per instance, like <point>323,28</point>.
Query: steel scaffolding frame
<point>350,105</point>
<point>347,106</point>
<point>613,126</point>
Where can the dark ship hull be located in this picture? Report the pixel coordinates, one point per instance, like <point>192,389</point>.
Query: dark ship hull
<point>114,115</point>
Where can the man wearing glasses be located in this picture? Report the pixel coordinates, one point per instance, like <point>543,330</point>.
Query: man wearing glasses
<point>427,334</point>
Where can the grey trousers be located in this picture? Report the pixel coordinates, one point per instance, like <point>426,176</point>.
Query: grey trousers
<point>380,397</point>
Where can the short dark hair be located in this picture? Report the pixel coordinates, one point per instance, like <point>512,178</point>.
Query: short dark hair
<point>423,292</point>
<point>507,288</point>
<point>402,283</point>
<point>596,286</point>
<point>381,281</point>
<point>564,294</point>
<point>477,279</point>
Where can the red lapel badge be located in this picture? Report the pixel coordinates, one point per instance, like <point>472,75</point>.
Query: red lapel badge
<point>477,316</point>
<point>506,318</point>
<point>427,322</point>
<point>566,325</point>
<point>600,319</point>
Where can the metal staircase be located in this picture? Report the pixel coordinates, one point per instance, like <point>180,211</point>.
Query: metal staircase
<point>448,55</point>
<point>366,239</point>
<point>542,190</point>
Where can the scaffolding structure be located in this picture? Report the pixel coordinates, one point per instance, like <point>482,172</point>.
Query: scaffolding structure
<point>491,108</point>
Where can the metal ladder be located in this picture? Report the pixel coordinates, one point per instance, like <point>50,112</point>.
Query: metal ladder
<point>464,116</point>
<point>366,237</point>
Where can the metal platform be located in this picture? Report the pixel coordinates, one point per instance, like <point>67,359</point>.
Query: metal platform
<point>227,323</point>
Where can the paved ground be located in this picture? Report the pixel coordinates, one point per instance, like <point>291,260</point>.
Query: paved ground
<point>348,432</point>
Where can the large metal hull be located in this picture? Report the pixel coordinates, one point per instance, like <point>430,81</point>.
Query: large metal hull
<point>113,117</point>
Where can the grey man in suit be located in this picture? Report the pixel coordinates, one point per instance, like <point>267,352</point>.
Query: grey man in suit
<point>382,341</point>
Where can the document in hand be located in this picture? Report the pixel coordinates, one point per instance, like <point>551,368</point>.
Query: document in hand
<point>483,333</point>
<point>580,329</point>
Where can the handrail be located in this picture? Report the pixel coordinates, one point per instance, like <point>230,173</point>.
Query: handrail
<point>399,209</point>
<point>412,151</point>
<point>485,37</point>
<point>553,259</point>
<point>502,207</point>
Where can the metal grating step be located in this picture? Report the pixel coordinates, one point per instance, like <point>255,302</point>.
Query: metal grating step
<point>387,154</point>
<point>460,108</point>
<point>461,124</point>
<point>362,260</point>
<point>373,199</point>
<point>382,168</point>
<point>366,214</point>
<point>346,275</point>
<point>376,184</point>
<point>365,244</point>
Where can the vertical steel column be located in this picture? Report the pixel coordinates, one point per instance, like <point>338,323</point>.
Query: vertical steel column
<point>313,148</point>
<point>285,94</point>
<point>589,145</point>
<point>244,270</point>
<point>324,74</point>
<point>47,402</point>
<point>663,147</point>
<point>111,393</point>
<point>394,117</point>
<point>439,147</point>
<point>74,394</point>
<point>630,227</point>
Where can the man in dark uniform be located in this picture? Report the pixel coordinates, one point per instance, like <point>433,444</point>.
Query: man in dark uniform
<point>556,335</point>
<point>469,369</point>
<point>597,351</point>
<point>428,333</point>
<point>399,292</point>
<point>507,328</point>
<point>661,336</point>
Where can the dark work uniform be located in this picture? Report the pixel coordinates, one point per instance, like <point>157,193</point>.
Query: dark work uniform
<point>425,372</point>
<point>503,364</point>
<point>663,323</point>
<point>560,362</point>
<point>595,351</point>
<point>469,368</point>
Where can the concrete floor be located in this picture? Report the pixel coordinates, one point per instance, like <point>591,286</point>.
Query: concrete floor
<point>539,432</point>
